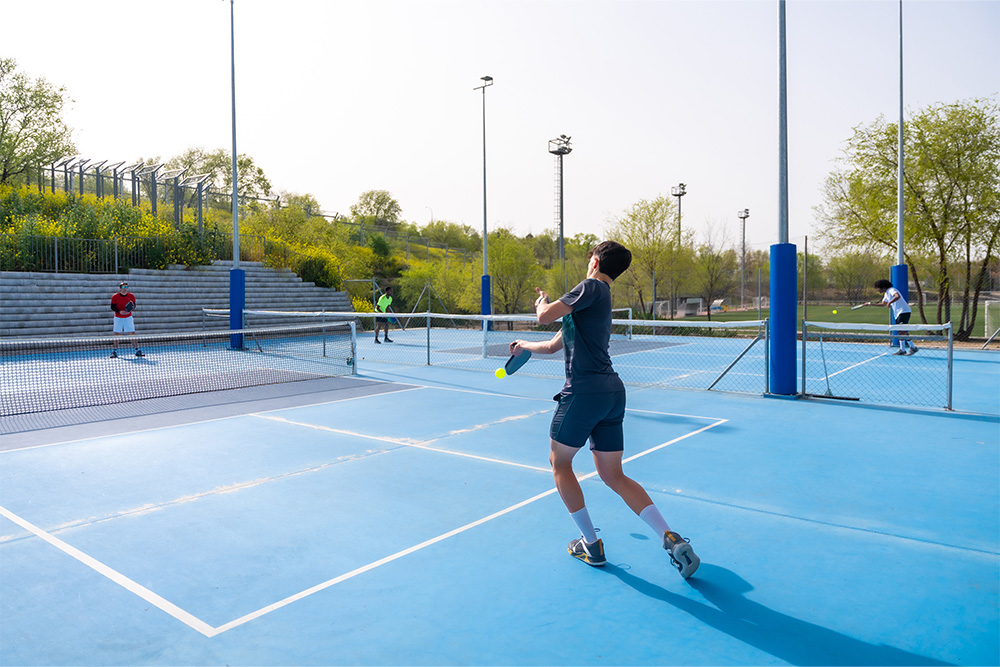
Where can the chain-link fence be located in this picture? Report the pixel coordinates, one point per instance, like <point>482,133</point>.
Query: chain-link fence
<point>722,356</point>
<point>865,362</point>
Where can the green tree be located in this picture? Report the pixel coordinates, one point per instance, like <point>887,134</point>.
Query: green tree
<point>951,195</point>
<point>854,273</point>
<point>377,207</point>
<point>514,271</point>
<point>646,230</point>
<point>32,130</point>
<point>251,182</point>
<point>716,271</point>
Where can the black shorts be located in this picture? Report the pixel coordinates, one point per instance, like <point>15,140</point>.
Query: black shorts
<point>382,320</point>
<point>904,318</point>
<point>594,416</point>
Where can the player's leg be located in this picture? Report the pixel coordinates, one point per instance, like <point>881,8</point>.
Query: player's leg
<point>607,441</point>
<point>117,329</point>
<point>587,547</point>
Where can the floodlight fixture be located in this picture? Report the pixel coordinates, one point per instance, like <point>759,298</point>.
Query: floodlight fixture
<point>743,215</point>
<point>679,191</point>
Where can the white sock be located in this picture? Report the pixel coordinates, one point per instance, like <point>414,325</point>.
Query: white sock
<point>586,526</point>
<point>654,520</point>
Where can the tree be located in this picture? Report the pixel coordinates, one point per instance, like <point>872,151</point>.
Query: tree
<point>32,131</point>
<point>251,183</point>
<point>646,229</point>
<point>951,197</point>
<point>854,273</point>
<point>515,273</point>
<point>716,269</point>
<point>377,207</point>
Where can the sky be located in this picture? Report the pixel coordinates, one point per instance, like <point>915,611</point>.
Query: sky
<point>334,98</point>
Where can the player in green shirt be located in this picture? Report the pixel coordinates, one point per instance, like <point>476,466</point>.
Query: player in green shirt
<point>382,306</point>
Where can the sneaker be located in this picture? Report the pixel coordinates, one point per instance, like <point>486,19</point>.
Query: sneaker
<point>899,352</point>
<point>139,353</point>
<point>682,555</point>
<point>913,350</point>
<point>378,342</point>
<point>388,340</point>
<point>591,554</point>
<point>114,354</point>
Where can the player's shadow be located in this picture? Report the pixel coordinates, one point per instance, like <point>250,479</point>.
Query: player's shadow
<point>786,638</point>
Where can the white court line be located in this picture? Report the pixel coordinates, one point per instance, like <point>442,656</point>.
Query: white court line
<point>862,363</point>
<point>117,577</point>
<point>416,444</point>
<point>207,630</point>
<point>406,552</point>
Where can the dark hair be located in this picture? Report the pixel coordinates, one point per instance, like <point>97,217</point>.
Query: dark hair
<point>882,284</point>
<point>612,258</point>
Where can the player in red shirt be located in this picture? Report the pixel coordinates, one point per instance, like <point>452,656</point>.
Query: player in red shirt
<point>122,303</point>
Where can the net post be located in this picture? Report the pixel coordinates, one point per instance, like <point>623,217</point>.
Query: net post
<point>950,366</point>
<point>354,348</point>
<point>767,356</point>
<point>428,332</point>
<point>805,326</point>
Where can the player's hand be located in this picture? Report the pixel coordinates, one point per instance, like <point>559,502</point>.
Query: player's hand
<point>516,349</point>
<point>542,297</point>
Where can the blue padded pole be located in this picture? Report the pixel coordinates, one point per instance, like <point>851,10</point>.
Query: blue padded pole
<point>237,302</point>
<point>784,311</point>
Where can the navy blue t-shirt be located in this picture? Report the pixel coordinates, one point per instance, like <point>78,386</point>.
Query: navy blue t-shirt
<point>586,333</point>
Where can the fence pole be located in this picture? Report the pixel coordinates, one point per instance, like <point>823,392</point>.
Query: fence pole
<point>116,255</point>
<point>56,239</point>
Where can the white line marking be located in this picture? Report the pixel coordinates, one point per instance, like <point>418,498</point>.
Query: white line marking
<point>405,552</point>
<point>862,363</point>
<point>405,442</point>
<point>115,576</point>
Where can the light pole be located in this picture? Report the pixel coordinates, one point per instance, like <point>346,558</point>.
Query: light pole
<point>237,277</point>
<point>743,215</point>
<point>678,191</point>
<point>432,213</point>
<point>560,147</point>
<point>485,301</point>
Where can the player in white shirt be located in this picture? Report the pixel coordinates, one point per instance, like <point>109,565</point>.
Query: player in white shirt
<point>900,312</point>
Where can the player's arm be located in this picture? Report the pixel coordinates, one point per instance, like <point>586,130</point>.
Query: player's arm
<point>548,312</point>
<point>114,306</point>
<point>550,346</point>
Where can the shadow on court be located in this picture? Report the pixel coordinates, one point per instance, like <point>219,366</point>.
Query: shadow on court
<point>790,639</point>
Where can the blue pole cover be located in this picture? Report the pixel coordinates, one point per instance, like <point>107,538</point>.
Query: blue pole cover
<point>784,315</point>
<point>487,301</point>
<point>237,302</point>
<point>899,276</point>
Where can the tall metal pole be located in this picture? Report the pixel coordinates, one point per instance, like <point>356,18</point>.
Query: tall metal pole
<point>743,215</point>
<point>782,129</point>
<point>485,290</point>
<point>899,187</point>
<point>232,57</point>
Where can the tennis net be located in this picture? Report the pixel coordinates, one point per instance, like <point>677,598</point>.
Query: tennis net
<point>723,356</point>
<point>55,374</point>
<point>861,362</point>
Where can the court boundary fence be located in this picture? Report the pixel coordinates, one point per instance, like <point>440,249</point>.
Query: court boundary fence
<point>863,348</point>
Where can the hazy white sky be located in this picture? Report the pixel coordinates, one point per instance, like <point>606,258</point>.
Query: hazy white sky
<point>336,97</point>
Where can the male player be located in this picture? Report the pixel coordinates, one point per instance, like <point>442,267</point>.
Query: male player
<point>382,306</point>
<point>123,303</point>
<point>900,312</point>
<point>592,405</point>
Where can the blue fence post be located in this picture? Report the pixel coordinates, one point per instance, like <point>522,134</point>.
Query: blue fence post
<point>784,314</point>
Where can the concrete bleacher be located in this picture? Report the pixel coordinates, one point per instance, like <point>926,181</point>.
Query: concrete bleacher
<point>171,300</point>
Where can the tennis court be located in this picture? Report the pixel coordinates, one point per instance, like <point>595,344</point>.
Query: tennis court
<point>405,515</point>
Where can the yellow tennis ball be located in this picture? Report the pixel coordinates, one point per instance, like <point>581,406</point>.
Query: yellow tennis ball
<point>834,312</point>
<point>501,373</point>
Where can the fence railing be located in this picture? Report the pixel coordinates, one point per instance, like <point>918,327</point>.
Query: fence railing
<point>118,255</point>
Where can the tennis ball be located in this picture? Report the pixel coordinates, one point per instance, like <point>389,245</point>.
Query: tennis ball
<point>501,373</point>
<point>834,312</point>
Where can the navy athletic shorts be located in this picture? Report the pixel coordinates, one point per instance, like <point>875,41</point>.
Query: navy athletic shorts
<point>594,416</point>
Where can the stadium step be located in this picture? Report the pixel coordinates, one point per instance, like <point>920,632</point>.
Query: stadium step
<point>49,304</point>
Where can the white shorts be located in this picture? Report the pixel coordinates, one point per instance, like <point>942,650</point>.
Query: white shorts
<point>124,325</point>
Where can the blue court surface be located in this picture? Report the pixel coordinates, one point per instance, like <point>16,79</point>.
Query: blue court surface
<point>407,516</point>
